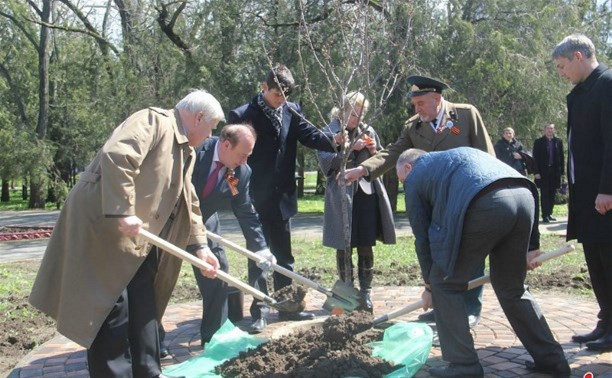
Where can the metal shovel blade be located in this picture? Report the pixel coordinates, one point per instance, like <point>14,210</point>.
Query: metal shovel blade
<point>344,297</point>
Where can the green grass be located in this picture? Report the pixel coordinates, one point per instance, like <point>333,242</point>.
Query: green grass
<point>398,265</point>
<point>16,203</point>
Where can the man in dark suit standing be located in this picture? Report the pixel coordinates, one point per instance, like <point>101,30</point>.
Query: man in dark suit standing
<point>221,179</point>
<point>589,135</point>
<point>279,127</point>
<point>548,154</point>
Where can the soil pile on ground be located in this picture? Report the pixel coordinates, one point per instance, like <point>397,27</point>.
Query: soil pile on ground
<point>338,349</point>
<point>291,298</point>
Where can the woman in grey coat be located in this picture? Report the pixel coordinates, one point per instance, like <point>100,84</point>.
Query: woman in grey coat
<point>370,214</point>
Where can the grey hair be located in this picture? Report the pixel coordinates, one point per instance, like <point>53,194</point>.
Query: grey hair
<point>409,157</point>
<point>574,43</point>
<point>351,100</point>
<point>201,101</point>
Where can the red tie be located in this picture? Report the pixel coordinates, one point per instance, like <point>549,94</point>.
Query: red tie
<point>213,178</point>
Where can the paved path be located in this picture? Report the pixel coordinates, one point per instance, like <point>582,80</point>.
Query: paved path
<point>500,352</point>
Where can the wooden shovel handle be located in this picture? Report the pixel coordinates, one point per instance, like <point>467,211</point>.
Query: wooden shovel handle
<point>255,257</point>
<point>186,256</point>
<point>472,284</point>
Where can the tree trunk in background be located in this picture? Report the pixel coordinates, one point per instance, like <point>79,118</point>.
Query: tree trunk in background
<point>300,177</point>
<point>320,187</point>
<point>392,185</point>
<point>24,189</point>
<point>6,196</point>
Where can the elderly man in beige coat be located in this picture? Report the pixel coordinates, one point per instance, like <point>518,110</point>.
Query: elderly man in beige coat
<point>105,286</point>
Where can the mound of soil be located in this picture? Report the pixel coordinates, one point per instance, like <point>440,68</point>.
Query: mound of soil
<point>338,349</point>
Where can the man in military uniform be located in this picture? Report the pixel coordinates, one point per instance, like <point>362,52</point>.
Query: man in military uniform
<point>438,125</point>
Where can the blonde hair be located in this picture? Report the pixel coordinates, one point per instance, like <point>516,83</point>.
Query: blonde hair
<point>508,129</point>
<point>351,100</point>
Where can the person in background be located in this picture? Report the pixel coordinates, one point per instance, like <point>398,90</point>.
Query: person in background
<point>508,149</point>
<point>105,286</point>
<point>589,171</point>
<point>548,154</point>
<point>464,205</point>
<point>369,209</point>
<point>280,126</point>
<point>438,125</point>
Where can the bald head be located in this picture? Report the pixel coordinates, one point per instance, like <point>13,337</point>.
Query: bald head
<point>236,144</point>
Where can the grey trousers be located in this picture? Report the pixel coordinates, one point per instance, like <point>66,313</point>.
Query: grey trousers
<point>497,224</point>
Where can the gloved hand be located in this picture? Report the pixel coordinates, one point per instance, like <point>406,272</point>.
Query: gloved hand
<point>266,265</point>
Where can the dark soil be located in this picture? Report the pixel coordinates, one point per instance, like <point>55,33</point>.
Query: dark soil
<point>22,328</point>
<point>338,349</point>
<point>291,298</point>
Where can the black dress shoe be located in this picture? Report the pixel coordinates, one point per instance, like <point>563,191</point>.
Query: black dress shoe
<point>558,370</point>
<point>604,343</point>
<point>595,334</point>
<point>551,219</point>
<point>258,326</point>
<point>458,370</point>
<point>284,316</point>
<point>473,320</point>
<point>163,351</point>
<point>545,220</point>
<point>427,317</point>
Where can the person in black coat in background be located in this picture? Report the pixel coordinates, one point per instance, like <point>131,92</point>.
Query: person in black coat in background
<point>589,170</point>
<point>548,154</point>
<point>508,150</point>
<point>279,126</point>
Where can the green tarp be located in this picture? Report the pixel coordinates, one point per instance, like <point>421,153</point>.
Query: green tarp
<point>403,343</point>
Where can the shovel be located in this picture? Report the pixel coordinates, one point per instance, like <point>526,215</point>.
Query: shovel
<point>472,284</point>
<point>285,305</point>
<point>337,298</point>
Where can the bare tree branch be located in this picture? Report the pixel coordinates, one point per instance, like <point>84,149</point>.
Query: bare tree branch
<point>168,28</point>
<point>21,27</point>
<point>102,42</point>
<point>93,34</point>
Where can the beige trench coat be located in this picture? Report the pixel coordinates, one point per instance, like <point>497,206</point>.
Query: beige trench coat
<point>469,131</point>
<point>140,171</point>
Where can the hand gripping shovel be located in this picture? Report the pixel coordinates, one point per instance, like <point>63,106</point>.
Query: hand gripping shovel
<point>186,256</point>
<point>472,284</point>
<point>346,300</point>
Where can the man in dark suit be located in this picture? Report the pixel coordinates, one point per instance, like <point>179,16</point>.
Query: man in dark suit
<point>548,154</point>
<point>216,160</point>
<point>279,126</point>
<point>589,135</point>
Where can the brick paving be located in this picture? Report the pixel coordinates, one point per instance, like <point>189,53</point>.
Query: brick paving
<point>501,353</point>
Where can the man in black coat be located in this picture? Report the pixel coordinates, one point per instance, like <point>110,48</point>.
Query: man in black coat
<point>216,158</point>
<point>548,154</point>
<point>589,135</point>
<point>279,126</point>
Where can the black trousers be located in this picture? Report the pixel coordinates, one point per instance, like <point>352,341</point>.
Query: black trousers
<point>127,344</point>
<point>548,191</point>
<point>598,257</point>
<point>277,232</point>
<point>497,224</point>
<point>214,298</point>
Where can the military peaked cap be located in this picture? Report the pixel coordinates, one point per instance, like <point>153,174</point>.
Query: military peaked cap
<point>420,85</point>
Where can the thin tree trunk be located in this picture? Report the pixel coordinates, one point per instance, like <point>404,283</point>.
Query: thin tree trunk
<point>6,195</point>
